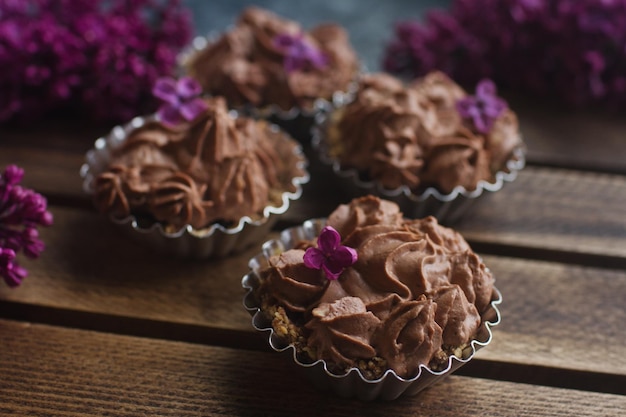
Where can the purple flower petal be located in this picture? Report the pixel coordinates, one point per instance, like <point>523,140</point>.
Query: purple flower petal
<point>187,87</point>
<point>344,256</point>
<point>12,273</point>
<point>328,240</point>
<point>494,108</point>
<point>330,256</point>
<point>180,100</point>
<point>46,218</point>
<point>465,106</point>
<point>313,258</point>
<point>319,61</point>
<point>485,88</point>
<point>169,114</point>
<point>166,90</point>
<point>483,108</point>
<point>191,109</point>
<point>481,124</point>
<point>6,256</point>
<point>32,245</point>
<point>12,174</point>
<point>21,211</point>
<point>332,272</point>
<point>285,40</point>
<point>299,54</point>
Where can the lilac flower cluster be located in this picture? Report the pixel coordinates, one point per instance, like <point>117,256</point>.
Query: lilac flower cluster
<point>100,57</point>
<point>21,211</point>
<point>573,50</point>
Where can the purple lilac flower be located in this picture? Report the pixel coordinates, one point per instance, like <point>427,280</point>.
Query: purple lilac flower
<point>572,50</point>
<point>21,211</point>
<point>12,273</point>
<point>181,101</point>
<point>483,108</point>
<point>299,53</point>
<point>330,256</point>
<point>100,57</point>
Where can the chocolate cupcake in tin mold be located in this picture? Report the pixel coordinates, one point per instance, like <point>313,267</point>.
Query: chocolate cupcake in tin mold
<point>196,179</point>
<point>272,67</point>
<point>428,145</point>
<point>372,305</point>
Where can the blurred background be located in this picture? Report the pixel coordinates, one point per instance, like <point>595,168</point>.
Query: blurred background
<point>369,23</point>
<point>100,58</point>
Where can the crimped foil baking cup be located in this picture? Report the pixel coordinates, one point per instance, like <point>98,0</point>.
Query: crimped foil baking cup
<point>447,208</point>
<point>297,121</point>
<point>214,240</point>
<point>352,384</point>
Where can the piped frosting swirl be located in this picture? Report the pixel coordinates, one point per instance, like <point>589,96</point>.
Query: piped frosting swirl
<point>415,294</point>
<point>247,66</point>
<point>218,168</point>
<point>414,136</point>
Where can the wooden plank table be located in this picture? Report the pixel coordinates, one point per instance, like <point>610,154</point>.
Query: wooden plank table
<point>104,327</point>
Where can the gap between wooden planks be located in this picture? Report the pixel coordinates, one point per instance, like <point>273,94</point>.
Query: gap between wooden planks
<point>554,315</point>
<point>47,369</point>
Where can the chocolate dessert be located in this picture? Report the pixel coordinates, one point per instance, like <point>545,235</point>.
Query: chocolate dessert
<point>217,168</point>
<point>429,133</point>
<point>266,60</point>
<point>413,293</point>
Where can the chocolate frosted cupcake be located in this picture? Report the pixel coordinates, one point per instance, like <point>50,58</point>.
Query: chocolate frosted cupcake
<point>429,145</point>
<point>372,304</point>
<point>203,187</point>
<point>265,60</point>
<point>272,66</point>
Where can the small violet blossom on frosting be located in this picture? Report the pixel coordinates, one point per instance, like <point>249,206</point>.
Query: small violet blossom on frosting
<point>483,108</point>
<point>299,53</point>
<point>181,100</point>
<point>330,256</point>
<point>21,211</point>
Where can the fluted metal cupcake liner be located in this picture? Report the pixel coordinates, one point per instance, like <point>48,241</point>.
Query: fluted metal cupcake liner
<point>447,208</point>
<point>353,383</point>
<point>214,240</point>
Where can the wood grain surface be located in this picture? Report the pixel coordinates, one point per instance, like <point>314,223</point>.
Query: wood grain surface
<point>561,136</point>
<point>104,326</point>
<point>542,209</point>
<point>549,312</point>
<point>55,371</point>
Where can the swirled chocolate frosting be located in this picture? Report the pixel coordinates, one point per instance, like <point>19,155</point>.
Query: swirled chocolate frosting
<point>415,294</point>
<point>247,66</point>
<point>413,135</point>
<point>217,168</point>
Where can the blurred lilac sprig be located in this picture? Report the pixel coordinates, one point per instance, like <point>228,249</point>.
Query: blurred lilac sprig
<point>573,50</point>
<point>99,56</point>
<point>21,211</point>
